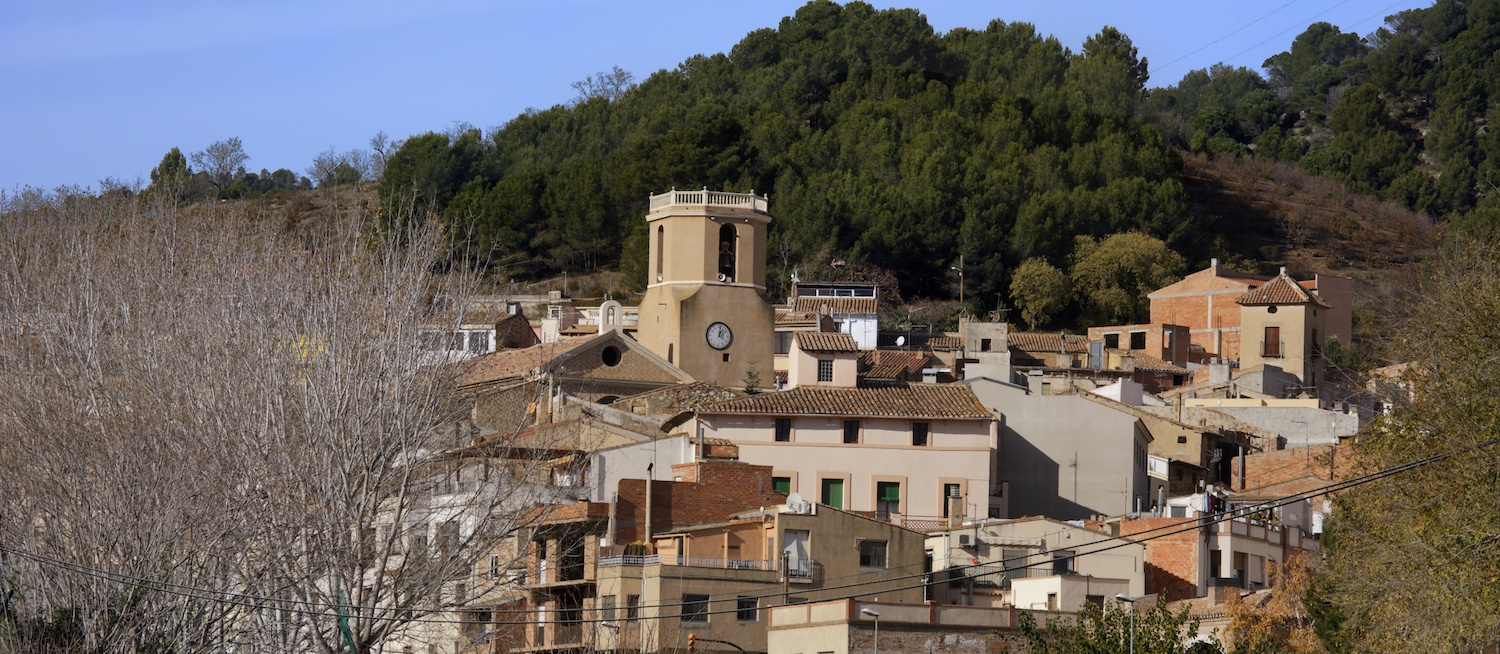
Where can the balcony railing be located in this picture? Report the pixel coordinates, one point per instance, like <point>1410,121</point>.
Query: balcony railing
<point>693,561</point>
<point>995,575</point>
<point>706,197</point>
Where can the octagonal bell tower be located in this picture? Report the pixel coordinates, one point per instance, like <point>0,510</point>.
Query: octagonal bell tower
<point>705,308</point>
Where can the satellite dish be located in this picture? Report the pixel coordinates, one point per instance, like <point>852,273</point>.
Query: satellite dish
<point>794,500</point>
<point>900,341</point>
<point>723,277</point>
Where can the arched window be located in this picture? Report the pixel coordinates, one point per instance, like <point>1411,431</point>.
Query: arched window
<point>726,253</point>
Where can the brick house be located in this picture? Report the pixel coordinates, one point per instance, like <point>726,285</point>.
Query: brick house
<point>1204,302</point>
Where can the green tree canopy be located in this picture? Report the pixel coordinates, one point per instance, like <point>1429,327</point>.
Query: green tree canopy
<point>1039,290</point>
<point>1112,277</point>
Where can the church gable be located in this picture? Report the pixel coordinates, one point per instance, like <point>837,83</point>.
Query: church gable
<point>616,357</point>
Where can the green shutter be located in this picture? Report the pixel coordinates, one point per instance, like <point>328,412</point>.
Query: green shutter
<point>833,493</point>
<point>888,491</point>
<point>782,485</point>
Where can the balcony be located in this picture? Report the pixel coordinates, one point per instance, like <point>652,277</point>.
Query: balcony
<point>998,576</point>
<point>707,198</point>
<point>693,561</point>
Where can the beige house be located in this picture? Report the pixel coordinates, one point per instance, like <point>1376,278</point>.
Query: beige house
<point>896,452</point>
<point>1033,563</point>
<point>1282,324</point>
<point>715,581</point>
<point>822,359</point>
<point>705,309</point>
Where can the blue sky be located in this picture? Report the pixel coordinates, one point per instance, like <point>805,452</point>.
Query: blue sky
<point>94,89</point>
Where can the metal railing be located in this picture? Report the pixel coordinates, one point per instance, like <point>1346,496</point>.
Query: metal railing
<point>692,561</point>
<point>706,197</point>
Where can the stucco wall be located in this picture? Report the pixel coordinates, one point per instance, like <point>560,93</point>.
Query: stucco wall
<point>958,451</point>
<point>1064,456</point>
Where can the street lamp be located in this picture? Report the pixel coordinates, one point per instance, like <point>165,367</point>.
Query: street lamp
<point>876,615</point>
<point>1131,601</point>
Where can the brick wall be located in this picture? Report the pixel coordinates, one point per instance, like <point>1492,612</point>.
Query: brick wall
<point>709,492</point>
<point>1171,561</point>
<point>1309,466</point>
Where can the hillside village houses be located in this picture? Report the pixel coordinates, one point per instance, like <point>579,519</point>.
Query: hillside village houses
<point>707,461</point>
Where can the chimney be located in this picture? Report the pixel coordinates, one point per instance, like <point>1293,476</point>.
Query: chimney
<point>1283,271</point>
<point>1214,264</point>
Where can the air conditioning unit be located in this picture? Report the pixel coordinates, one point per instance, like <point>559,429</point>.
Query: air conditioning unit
<point>966,540</point>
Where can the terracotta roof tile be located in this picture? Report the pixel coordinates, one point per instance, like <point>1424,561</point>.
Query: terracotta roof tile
<point>891,370</point>
<point>825,342</point>
<point>512,364</point>
<point>945,343</point>
<point>836,305</point>
<point>795,318</point>
<point>912,360</point>
<point>1147,363</point>
<point>909,401</point>
<point>1047,342</point>
<point>1282,290</point>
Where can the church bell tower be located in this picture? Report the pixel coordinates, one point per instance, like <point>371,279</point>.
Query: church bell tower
<point>705,308</point>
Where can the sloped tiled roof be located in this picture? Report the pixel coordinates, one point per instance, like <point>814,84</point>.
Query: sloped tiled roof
<point>891,370</point>
<point>836,305</point>
<point>510,364</point>
<point>796,318</point>
<point>681,397</point>
<point>909,401</point>
<point>825,342</point>
<point>1281,290</point>
<point>913,361</point>
<point>945,343</point>
<point>1046,342</point>
<point>1147,363</point>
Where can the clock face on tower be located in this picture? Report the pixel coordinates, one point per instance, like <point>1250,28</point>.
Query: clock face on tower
<point>719,336</point>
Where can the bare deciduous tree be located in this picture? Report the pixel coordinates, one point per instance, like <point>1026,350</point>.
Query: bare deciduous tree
<point>217,437</point>
<point>220,160</point>
<point>608,84</point>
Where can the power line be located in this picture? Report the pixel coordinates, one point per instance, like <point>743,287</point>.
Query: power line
<point>236,599</point>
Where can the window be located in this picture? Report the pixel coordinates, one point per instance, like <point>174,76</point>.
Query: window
<point>418,541</point>
<point>607,607</point>
<point>745,609</point>
<point>984,345</point>
<point>950,491</point>
<point>448,538</point>
<point>1096,600</point>
<point>782,485</point>
<point>1051,601</point>
<point>825,370</point>
<point>479,342</point>
<point>695,608</point>
<point>632,607</point>
<point>783,430</point>
<point>661,244</point>
<point>456,341</point>
<point>851,431</point>
<point>610,356</point>
<point>1112,341</point>
<point>872,554</point>
<point>1272,346</point>
<point>726,253</point>
<point>919,434</point>
<point>783,342</point>
<point>494,566</point>
<point>887,498</point>
<point>1137,340</point>
<point>1062,562</point>
<point>833,493</point>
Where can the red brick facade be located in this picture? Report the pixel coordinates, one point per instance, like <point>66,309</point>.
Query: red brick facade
<point>709,492</point>
<point>1171,561</point>
<point>1204,302</point>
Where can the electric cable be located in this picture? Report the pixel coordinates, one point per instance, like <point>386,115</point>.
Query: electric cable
<point>235,599</point>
